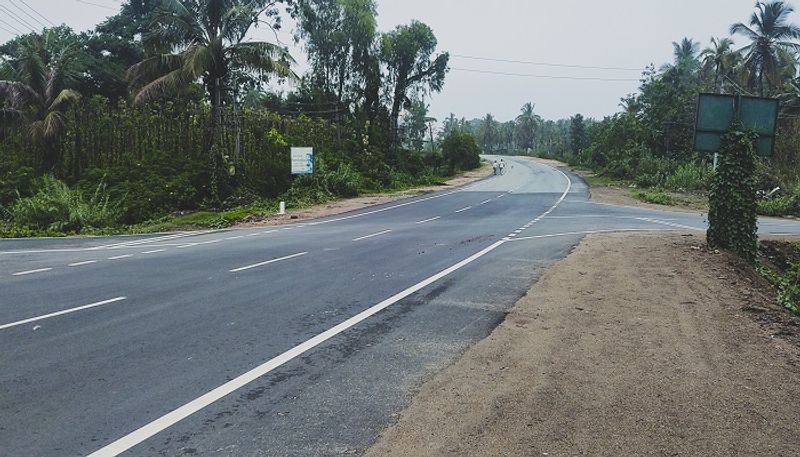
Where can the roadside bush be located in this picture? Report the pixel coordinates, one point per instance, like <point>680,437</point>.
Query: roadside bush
<point>651,171</point>
<point>654,196</point>
<point>690,176</point>
<point>58,208</point>
<point>461,151</point>
<point>14,182</point>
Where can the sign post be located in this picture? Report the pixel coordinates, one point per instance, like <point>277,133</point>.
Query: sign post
<point>716,113</point>
<point>302,161</point>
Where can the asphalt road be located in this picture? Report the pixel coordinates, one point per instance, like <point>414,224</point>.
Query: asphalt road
<point>297,340</point>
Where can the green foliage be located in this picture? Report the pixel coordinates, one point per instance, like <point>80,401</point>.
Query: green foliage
<point>15,181</point>
<point>656,197</point>
<point>780,206</point>
<point>56,207</point>
<point>732,216</point>
<point>460,151</point>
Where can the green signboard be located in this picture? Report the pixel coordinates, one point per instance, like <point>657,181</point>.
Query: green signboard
<point>716,112</point>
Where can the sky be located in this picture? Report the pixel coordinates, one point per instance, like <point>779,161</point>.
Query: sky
<point>628,34</point>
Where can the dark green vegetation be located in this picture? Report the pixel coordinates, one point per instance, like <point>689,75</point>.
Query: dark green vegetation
<point>167,115</point>
<point>780,264</point>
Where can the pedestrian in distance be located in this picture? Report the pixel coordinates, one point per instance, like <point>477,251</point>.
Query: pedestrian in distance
<point>502,166</point>
<point>495,167</point>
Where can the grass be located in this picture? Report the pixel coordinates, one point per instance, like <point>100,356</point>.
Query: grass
<point>605,181</point>
<point>657,197</point>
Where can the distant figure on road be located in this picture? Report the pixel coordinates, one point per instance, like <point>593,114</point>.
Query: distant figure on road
<point>495,166</point>
<point>502,166</point>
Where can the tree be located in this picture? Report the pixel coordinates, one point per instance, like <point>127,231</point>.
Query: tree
<point>416,124</point>
<point>685,53</point>
<point>772,44</point>
<point>210,35</point>
<point>719,58</point>
<point>489,133</point>
<point>526,124</point>
<point>461,151</point>
<point>577,134</point>
<point>408,52</point>
<point>36,89</point>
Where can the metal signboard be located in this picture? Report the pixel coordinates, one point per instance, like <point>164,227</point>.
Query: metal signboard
<point>302,161</point>
<point>716,112</point>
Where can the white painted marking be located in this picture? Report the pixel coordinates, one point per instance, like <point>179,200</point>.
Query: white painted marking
<point>30,272</point>
<point>250,267</point>
<point>518,231</point>
<point>388,208</point>
<point>670,224</point>
<point>429,220</point>
<point>512,235</point>
<point>191,245</point>
<point>588,232</point>
<point>231,238</point>
<point>80,264</point>
<point>209,242</point>
<point>464,209</point>
<point>60,313</point>
<point>485,201</point>
<point>372,236</point>
<point>253,234</point>
<point>155,251</point>
<point>120,257</point>
<point>268,232</point>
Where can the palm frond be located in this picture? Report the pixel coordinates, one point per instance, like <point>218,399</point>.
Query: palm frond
<point>160,87</point>
<point>264,57</point>
<point>64,99</point>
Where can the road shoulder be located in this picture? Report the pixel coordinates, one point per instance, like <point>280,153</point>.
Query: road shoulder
<point>634,345</point>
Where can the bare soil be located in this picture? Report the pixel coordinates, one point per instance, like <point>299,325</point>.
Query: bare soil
<point>632,345</point>
<point>353,204</point>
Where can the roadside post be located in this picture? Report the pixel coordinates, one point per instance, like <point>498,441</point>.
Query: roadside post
<point>736,129</point>
<point>302,163</point>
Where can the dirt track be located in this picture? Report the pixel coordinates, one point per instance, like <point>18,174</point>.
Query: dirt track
<point>633,345</point>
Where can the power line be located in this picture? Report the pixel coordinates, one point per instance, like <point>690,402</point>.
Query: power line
<point>528,75</point>
<point>37,13</point>
<point>13,27</point>
<point>18,18</point>
<point>545,64</point>
<point>7,31</point>
<point>97,5</point>
<point>13,3</point>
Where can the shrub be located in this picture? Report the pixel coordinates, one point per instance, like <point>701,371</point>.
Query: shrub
<point>655,197</point>
<point>56,207</point>
<point>690,176</point>
<point>460,151</point>
<point>14,182</point>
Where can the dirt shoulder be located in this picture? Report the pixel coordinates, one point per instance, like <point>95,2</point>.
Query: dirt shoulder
<point>353,204</point>
<point>632,345</point>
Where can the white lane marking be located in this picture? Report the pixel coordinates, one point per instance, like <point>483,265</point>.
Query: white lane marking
<point>80,264</point>
<point>518,231</point>
<point>231,238</point>
<point>429,220</point>
<point>385,209</point>
<point>252,234</point>
<point>150,240</point>
<point>172,418</point>
<point>250,267</point>
<point>30,272</point>
<point>191,245</point>
<point>464,209</point>
<point>588,232</point>
<point>501,196</point>
<point>119,257</point>
<point>155,251</point>
<point>485,202</point>
<point>372,236</point>
<point>137,436</point>
<point>61,313</point>
<point>267,232</point>
<point>670,224</point>
<point>209,242</point>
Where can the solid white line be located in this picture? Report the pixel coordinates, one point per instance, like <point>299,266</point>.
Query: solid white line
<point>250,267</point>
<point>172,418</point>
<point>120,257</point>
<point>156,251</point>
<point>60,313</point>
<point>80,264</point>
<point>464,209</point>
<point>372,236</point>
<point>132,439</point>
<point>429,220</point>
<point>30,272</point>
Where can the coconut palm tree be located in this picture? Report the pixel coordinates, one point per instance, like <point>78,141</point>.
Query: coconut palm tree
<point>772,44</point>
<point>721,59</point>
<point>33,89</point>
<point>685,53</point>
<point>210,36</point>
<point>526,124</point>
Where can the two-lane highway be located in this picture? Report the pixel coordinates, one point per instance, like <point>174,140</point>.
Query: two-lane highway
<point>297,340</point>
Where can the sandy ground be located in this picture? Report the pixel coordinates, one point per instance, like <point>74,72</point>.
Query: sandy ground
<point>352,204</point>
<point>632,345</point>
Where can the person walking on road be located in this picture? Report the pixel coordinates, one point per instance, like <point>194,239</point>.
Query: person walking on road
<point>502,166</point>
<point>495,167</point>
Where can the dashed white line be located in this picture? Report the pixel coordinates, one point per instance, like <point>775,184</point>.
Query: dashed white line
<point>670,224</point>
<point>372,236</point>
<point>155,251</point>
<point>261,264</point>
<point>464,209</point>
<point>30,272</point>
<point>485,202</point>
<point>231,238</point>
<point>209,242</point>
<point>80,264</point>
<point>119,257</point>
<point>60,313</point>
<point>187,246</point>
<point>429,220</point>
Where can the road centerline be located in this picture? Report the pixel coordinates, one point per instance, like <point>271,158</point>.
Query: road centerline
<point>268,262</point>
<point>429,220</point>
<point>372,236</point>
<point>61,313</point>
<point>464,209</point>
<point>30,272</point>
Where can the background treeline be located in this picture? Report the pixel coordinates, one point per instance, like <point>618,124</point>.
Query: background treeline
<point>648,144</point>
<point>170,106</point>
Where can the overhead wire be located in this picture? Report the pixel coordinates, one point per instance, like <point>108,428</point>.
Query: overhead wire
<point>545,64</point>
<point>37,12</point>
<point>13,3</point>
<point>16,17</point>
<point>18,31</point>
<point>97,5</point>
<point>529,75</point>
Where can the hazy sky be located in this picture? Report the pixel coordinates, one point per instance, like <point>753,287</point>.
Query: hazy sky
<point>607,33</point>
